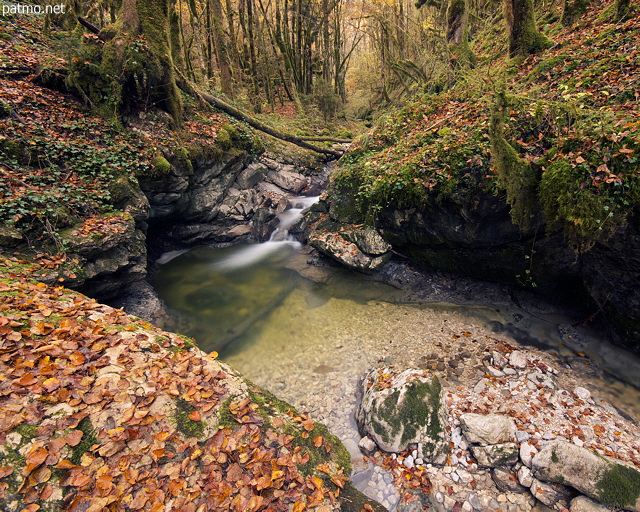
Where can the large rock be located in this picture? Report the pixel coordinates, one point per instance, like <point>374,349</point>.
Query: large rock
<point>400,408</point>
<point>348,253</point>
<point>470,232</point>
<point>487,429</point>
<point>496,455</point>
<point>603,479</point>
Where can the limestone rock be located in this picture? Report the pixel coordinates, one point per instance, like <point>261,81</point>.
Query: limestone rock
<point>527,452</point>
<point>399,408</point>
<point>487,429</point>
<point>288,180</point>
<point>9,237</point>
<point>251,175</point>
<point>550,493</point>
<point>584,504</point>
<point>496,455</point>
<point>347,253</point>
<point>368,240</point>
<point>506,481</point>
<point>598,477</point>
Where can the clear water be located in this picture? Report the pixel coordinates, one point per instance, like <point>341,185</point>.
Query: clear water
<point>281,330</point>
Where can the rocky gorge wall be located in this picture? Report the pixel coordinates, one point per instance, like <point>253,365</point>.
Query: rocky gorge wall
<point>470,233</point>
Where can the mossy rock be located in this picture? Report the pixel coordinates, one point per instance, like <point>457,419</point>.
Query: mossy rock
<point>399,408</point>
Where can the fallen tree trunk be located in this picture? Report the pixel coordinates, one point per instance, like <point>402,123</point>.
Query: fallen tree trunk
<point>251,121</point>
<point>327,139</point>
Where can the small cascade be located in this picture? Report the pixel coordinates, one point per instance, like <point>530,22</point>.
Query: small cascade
<point>280,238</point>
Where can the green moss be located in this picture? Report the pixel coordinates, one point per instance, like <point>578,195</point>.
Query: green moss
<point>161,166</point>
<point>88,440</point>
<point>515,175</point>
<point>421,401</point>
<point>185,424</point>
<point>223,139</point>
<point>619,486</point>
<point>27,431</point>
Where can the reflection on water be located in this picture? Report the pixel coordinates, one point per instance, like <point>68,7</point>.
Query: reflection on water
<point>244,303</point>
<point>215,299</point>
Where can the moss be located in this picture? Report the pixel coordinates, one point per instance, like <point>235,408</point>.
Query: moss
<point>88,440</point>
<point>421,402</point>
<point>554,457</point>
<point>223,139</point>
<point>27,431</point>
<point>185,424</point>
<point>515,175</point>
<point>161,166</point>
<point>619,486</point>
<point>352,500</point>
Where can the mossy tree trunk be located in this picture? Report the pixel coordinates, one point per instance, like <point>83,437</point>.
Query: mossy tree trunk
<point>622,8</point>
<point>458,32</point>
<point>151,19</point>
<point>524,37</point>
<point>220,45</point>
<point>572,10</point>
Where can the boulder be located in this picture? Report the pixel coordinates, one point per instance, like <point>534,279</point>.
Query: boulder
<point>288,180</point>
<point>400,408</point>
<point>584,504</point>
<point>487,429</point>
<point>368,240</point>
<point>496,455</point>
<point>601,478</point>
<point>333,244</point>
<point>251,176</point>
<point>507,481</point>
<point>551,494</point>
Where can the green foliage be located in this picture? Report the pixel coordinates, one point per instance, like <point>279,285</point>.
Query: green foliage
<point>402,163</point>
<point>326,99</point>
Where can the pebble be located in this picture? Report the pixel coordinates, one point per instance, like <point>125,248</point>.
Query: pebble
<point>582,393</point>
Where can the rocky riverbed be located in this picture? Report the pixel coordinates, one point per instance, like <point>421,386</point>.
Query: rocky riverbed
<point>313,351</point>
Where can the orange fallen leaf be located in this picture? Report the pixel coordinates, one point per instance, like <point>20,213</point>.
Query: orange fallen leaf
<point>194,416</point>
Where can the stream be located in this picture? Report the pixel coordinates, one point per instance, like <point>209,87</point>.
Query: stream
<point>310,340</point>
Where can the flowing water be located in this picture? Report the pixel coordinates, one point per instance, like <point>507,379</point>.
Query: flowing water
<point>311,340</point>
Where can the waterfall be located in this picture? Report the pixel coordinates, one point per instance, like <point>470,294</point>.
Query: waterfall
<point>280,239</point>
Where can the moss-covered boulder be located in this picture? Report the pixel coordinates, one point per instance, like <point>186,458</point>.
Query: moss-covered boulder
<point>601,478</point>
<point>406,407</point>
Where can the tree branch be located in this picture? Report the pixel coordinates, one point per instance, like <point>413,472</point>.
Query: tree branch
<point>251,121</point>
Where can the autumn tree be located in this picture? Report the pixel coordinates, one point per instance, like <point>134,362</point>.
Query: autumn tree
<point>524,36</point>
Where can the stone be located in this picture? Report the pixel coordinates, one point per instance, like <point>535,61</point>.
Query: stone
<point>582,393</point>
<point>334,245</point>
<point>584,504</point>
<point>550,493</point>
<point>506,481</point>
<point>522,436</point>
<point>399,408</point>
<point>494,372</point>
<point>496,455</point>
<point>486,429</point>
<point>543,379</point>
<point>525,476</point>
<point>9,236</point>
<point>251,175</point>
<point>367,239</point>
<point>288,180</point>
<point>367,445</point>
<point>518,359</point>
<point>527,452</point>
<point>600,478</point>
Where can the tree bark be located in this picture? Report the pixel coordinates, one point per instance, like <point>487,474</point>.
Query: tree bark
<point>524,37</point>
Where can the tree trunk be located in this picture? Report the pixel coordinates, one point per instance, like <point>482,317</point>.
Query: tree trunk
<point>524,37</point>
<point>458,33</point>
<point>222,58</point>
